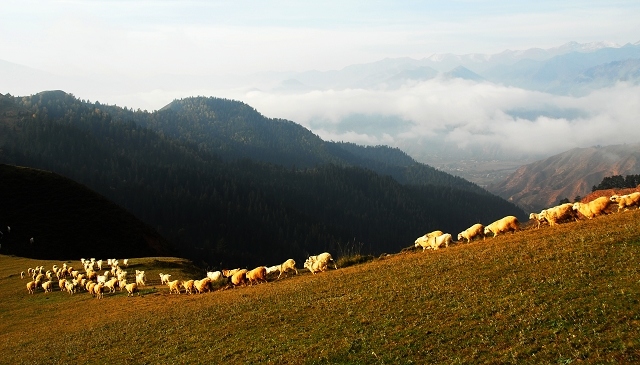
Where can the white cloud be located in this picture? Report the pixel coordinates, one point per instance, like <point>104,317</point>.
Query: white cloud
<point>464,114</point>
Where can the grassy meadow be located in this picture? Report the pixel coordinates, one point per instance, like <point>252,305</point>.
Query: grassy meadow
<point>557,295</point>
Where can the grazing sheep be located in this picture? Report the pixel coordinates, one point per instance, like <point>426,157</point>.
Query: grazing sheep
<point>164,278</point>
<point>593,208</point>
<point>319,263</point>
<point>99,290</point>
<point>558,213</point>
<point>258,274</point>
<point>444,239</point>
<point>240,277</point>
<point>626,201</point>
<point>471,232</point>
<point>286,266</point>
<point>22,275</point>
<point>202,286</point>
<point>188,286</point>
<point>31,287</point>
<point>506,224</point>
<point>427,240</point>
<point>538,218</point>
<point>131,289</point>
<point>174,286</point>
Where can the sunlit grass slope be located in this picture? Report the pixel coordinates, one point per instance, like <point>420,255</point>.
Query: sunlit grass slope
<point>557,295</point>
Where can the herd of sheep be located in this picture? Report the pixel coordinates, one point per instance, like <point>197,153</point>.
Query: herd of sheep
<point>552,216</point>
<point>92,280</point>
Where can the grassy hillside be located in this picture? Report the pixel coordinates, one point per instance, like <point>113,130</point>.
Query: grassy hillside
<point>556,295</point>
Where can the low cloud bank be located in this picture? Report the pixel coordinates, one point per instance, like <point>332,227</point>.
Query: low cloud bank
<point>462,115</point>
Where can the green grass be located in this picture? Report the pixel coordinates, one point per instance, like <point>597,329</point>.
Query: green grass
<point>567,294</point>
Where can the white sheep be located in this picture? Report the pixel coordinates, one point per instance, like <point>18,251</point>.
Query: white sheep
<point>538,218</point>
<point>319,263</point>
<point>444,239</point>
<point>164,278</point>
<point>506,224</point>
<point>558,213</point>
<point>626,201</point>
<point>290,264</point>
<point>47,286</point>
<point>214,275</point>
<point>427,240</point>
<point>472,232</point>
<point>131,289</point>
<point>174,286</point>
<point>593,208</point>
<point>141,278</point>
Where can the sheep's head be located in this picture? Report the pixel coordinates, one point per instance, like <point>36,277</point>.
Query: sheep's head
<point>614,198</point>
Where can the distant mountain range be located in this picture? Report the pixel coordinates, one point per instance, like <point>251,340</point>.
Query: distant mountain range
<point>570,68</point>
<point>573,173</point>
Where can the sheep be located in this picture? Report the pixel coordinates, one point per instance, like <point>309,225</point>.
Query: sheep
<point>286,266</point>
<point>22,275</point>
<point>471,232</point>
<point>188,286</point>
<point>174,286</point>
<point>131,289</point>
<point>122,275</point>
<point>239,278</point>
<point>202,286</point>
<point>125,262</point>
<point>140,278</point>
<point>319,263</point>
<point>214,275</point>
<point>626,201</point>
<point>445,239</point>
<point>506,224</point>
<point>258,274</point>
<point>427,240</point>
<point>273,268</point>
<point>47,286</point>
<point>558,213</point>
<point>164,278</point>
<point>229,273</point>
<point>111,284</point>
<point>31,287</point>
<point>99,290</point>
<point>69,287</point>
<point>538,218</point>
<point>593,208</point>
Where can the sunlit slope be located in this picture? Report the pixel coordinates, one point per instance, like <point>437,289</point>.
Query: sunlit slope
<point>554,295</point>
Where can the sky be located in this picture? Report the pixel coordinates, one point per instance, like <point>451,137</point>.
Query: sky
<point>116,51</point>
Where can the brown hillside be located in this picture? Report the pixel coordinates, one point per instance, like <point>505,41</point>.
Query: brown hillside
<point>555,295</point>
<point>544,183</point>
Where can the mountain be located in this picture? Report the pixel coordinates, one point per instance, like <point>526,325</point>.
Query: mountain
<point>553,70</point>
<point>544,183</point>
<point>228,187</point>
<point>66,219</point>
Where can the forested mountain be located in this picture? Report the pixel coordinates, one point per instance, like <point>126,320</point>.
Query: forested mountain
<point>202,187</point>
<point>66,220</point>
<point>232,130</point>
